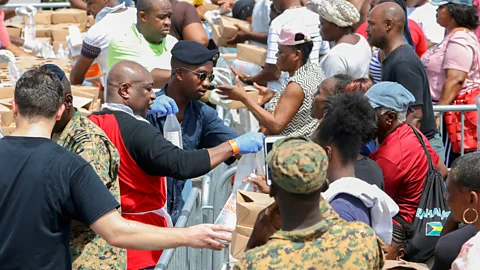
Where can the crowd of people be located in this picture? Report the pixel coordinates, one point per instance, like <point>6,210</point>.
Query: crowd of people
<point>366,176</point>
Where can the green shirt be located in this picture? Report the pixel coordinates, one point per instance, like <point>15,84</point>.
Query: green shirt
<point>132,46</point>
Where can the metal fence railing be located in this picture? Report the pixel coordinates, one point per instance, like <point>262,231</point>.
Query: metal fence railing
<point>185,258</point>
<point>455,108</point>
<point>216,187</point>
<point>50,5</point>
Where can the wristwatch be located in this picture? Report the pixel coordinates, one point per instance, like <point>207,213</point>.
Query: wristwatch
<point>234,146</point>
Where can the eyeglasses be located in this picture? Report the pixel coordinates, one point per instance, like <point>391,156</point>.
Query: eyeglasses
<point>202,75</point>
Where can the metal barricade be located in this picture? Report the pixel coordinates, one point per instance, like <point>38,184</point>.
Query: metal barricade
<point>50,5</point>
<point>217,188</point>
<point>184,258</point>
<point>455,108</point>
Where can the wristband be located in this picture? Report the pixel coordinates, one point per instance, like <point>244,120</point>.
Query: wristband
<point>234,146</point>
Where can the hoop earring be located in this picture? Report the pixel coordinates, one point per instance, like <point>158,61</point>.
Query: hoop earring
<point>465,212</point>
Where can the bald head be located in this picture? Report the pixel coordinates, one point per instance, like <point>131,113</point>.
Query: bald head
<point>386,22</point>
<point>391,12</point>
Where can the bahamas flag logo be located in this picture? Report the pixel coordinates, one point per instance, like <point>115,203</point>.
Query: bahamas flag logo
<point>433,228</point>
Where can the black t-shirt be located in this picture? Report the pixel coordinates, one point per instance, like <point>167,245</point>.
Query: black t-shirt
<point>42,188</point>
<point>369,171</point>
<point>404,67</point>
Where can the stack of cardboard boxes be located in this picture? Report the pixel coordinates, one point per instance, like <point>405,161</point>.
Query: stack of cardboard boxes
<point>52,26</point>
<point>85,99</point>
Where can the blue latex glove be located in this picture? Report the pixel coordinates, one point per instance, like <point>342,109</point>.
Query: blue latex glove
<point>250,143</point>
<point>163,106</point>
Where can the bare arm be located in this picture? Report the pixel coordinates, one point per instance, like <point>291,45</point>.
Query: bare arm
<point>16,50</point>
<point>123,233</point>
<point>219,154</point>
<point>160,77</point>
<point>415,118</point>
<point>452,86</point>
<point>9,13</point>
<point>287,106</point>
<point>77,75</point>
<point>17,41</point>
<point>195,32</point>
<point>80,4</point>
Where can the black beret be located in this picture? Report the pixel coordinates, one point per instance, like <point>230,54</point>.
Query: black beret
<point>193,53</point>
<point>242,9</point>
<point>58,72</point>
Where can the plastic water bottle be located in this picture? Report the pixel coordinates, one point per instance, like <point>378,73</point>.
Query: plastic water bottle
<point>172,131</point>
<point>228,215</point>
<point>1,133</point>
<point>30,30</point>
<point>246,166</point>
<point>14,72</point>
<point>61,52</point>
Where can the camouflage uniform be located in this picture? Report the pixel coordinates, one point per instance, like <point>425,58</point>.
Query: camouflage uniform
<point>299,166</point>
<point>81,136</point>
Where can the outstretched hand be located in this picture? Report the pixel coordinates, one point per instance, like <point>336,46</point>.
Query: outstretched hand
<point>208,236</point>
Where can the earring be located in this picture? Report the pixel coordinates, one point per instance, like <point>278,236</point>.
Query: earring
<point>465,212</point>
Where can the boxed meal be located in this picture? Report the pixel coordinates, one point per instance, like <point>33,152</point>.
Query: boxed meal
<point>43,31</point>
<point>14,29</point>
<point>61,31</point>
<point>70,15</point>
<point>43,17</point>
<point>252,54</point>
<point>218,39</point>
<point>6,114</point>
<point>228,28</point>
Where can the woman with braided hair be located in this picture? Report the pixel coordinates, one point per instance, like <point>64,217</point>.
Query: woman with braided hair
<point>400,236</point>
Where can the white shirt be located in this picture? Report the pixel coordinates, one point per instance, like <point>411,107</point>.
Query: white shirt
<point>261,19</point>
<point>425,17</point>
<point>353,59</point>
<point>382,207</point>
<point>469,257</point>
<point>99,36</point>
<point>307,20</point>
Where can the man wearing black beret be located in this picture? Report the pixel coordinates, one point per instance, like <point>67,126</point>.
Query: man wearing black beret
<point>192,73</point>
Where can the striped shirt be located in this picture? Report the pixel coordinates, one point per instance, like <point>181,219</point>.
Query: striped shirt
<point>375,67</point>
<point>308,77</point>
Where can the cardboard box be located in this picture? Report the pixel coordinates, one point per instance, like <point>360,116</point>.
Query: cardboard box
<point>43,17</point>
<point>90,21</point>
<point>228,28</point>
<point>57,43</point>
<point>252,93</point>
<point>60,31</point>
<point>252,54</point>
<point>44,31</point>
<point>70,15</point>
<point>249,204</point>
<point>14,29</point>
<point>7,121</point>
<point>218,39</point>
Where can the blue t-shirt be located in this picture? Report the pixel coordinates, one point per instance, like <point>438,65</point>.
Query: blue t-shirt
<point>351,208</point>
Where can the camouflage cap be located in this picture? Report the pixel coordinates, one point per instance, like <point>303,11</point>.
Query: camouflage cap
<point>298,165</point>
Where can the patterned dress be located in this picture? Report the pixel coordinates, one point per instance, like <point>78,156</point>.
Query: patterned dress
<point>82,137</point>
<point>309,77</point>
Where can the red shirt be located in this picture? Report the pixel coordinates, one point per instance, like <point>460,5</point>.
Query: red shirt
<point>4,37</point>
<point>404,165</point>
<point>418,37</point>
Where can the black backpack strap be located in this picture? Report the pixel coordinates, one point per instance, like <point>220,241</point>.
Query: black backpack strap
<point>419,137</point>
<point>399,220</point>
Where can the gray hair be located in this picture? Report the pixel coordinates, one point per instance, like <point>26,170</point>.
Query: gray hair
<point>401,116</point>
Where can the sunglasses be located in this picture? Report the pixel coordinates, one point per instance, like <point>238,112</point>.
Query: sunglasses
<point>201,75</point>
